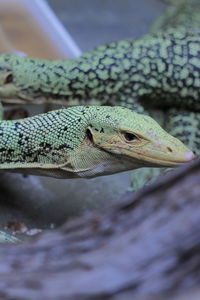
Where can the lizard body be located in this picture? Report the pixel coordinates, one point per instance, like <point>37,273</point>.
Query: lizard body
<point>86,142</point>
<point>161,70</point>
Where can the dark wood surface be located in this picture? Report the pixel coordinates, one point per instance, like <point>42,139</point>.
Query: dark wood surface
<point>146,246</point>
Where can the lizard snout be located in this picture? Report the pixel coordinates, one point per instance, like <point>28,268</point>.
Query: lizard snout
<point>189,156</point>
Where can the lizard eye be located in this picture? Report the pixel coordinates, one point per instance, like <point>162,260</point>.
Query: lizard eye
<point>130,137</point>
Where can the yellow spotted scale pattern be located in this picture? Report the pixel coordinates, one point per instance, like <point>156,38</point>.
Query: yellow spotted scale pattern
<point>43,138</point>
<point>158,70</point>
<point>51,139</point>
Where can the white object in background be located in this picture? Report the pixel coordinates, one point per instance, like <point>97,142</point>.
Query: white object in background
<point>43,16</point>
<point>48,21</point>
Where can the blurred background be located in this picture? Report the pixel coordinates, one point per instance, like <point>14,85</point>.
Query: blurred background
<point>33,26</point>
<point>95,22</point>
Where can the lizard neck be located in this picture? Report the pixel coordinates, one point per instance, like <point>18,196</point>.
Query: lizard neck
<point>41,140</point>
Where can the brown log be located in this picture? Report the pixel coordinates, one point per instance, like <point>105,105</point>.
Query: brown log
<point>146,247</point>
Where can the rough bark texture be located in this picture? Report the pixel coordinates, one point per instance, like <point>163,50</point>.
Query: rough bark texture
<point>146,247</point>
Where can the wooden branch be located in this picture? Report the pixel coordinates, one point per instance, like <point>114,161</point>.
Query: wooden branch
<point>147,245</point>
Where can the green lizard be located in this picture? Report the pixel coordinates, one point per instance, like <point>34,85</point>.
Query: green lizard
<point>159,70</point>
<point>87,141</point>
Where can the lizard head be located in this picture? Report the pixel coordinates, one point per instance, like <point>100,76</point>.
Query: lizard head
<point>118,139</point>
<point>98,140</point>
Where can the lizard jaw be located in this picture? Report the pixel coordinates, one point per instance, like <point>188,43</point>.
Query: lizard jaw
<point>156,162</point>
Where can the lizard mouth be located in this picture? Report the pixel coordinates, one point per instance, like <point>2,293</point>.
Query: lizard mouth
<point>167,162</point>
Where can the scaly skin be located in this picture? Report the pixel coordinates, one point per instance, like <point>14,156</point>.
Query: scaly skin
<point>87,142</point>
<point>181,16</point>
<point>157,70</point>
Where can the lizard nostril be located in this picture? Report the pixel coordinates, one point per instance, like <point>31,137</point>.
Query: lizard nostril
<point>169,149</point>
